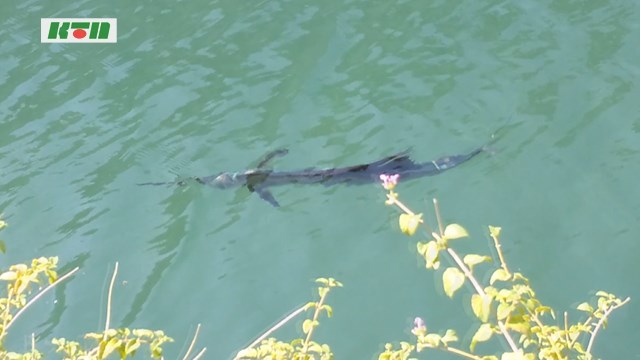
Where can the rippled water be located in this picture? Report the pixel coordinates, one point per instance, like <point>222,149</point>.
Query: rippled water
<point>193,88</point>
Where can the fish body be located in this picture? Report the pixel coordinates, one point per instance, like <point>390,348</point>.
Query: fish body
<point>260,179</point>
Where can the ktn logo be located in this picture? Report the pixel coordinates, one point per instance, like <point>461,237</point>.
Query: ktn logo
<point>94,30</point>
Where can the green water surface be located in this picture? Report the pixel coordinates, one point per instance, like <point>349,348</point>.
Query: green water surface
<point>197,87</point>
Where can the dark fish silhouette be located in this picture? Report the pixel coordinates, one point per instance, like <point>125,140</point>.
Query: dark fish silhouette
<point>260,179</point>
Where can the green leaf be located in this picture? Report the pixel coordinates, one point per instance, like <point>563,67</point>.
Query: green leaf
<point>449,336</point>
<point>519,276</point>
<point>433,340</point>
<point>452,280</point>
<point>455,231</point>
<point>247,353</point>
<point>3,247</point>
<point>499,275</point>
<point>111,345</point>
<point>516,356</point>
<point>409,223</point>
<point>481,306</point>
<point>494,231</point>
<point>132,346</point>
<point>519,324</point>
<point>483,334</point>
<point>473,259</point>
<point>431,255</point>
<point>315,347</point>
<point>422,248</point>
<point>308,324</point>
<point>545,309</point>
<point>503,311</point>
<point>334,283</point>
<point>142,333</point>
<point>323,291</point>
<point>8,276</point>
<point>585,307</point>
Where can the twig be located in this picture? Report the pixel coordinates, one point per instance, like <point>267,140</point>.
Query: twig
<point>585,323</point>
<point>276,327</point>
<point>400,205</point>
<point>437,208</point>
<point>601,321</point>
<point>503,263</point>
<point>200,354</point>
<point>49,287</point>
<point>316,314</point>
<point>566,327</point>
<point>406,210</point>
<point>108,320</point>
<point>193,342</point>
<point>462,353</point>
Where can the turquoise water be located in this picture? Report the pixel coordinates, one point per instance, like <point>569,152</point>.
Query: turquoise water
<point>193,88</point>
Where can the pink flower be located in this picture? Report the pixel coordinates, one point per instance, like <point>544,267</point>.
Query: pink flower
<point>389,181</point>
<point>419,328</point>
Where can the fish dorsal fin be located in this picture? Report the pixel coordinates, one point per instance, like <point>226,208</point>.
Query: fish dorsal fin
<point>399,161</point>
<point>265,159</point>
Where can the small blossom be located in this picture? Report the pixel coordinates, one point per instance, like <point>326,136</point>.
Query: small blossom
<point>389,181</point>
<point>419,327</point>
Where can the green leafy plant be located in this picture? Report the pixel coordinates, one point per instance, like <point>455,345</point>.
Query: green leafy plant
<point>301,348</point>
<point>20,280</point>
<point>507,306</point>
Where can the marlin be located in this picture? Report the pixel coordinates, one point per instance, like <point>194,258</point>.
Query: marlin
<point>260,179</point>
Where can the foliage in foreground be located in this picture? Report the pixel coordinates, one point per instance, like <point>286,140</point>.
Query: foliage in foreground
<point>506,307</point>
<point>20,280</point>
<point>298,349</point>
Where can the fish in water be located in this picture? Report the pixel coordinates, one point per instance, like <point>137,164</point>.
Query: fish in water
<point>260,179</point>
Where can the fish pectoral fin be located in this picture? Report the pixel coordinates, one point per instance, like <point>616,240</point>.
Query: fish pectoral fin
<point>265,159</point>
<point>267,196</point>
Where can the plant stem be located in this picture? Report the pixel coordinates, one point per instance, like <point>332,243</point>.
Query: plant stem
<point>275,327</point>
<point>566,327</point>
<point>108,320</point>
<point>498,247</point>
<point>437,209</point>
<point>462,353</point>
<point>200,354</point>
<point>316,314</point>
<point>193,343</point>
<point>40,294</point>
